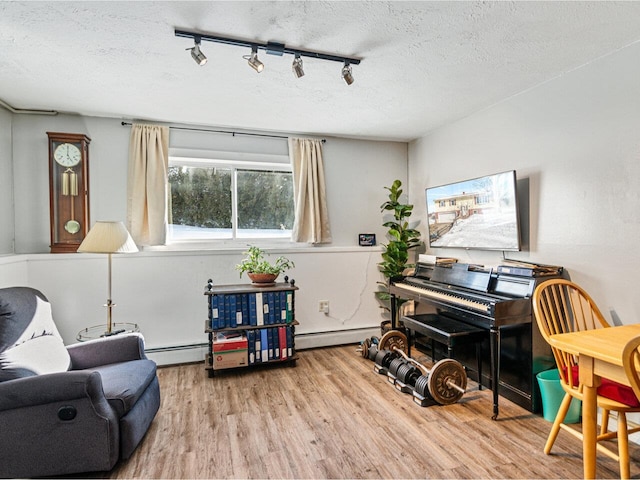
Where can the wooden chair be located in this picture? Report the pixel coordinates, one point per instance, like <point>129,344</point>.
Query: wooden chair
<point>561,306</point>
<point>631,359</point>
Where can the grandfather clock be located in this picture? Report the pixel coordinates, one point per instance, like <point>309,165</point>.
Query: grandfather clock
<point>68,190</point>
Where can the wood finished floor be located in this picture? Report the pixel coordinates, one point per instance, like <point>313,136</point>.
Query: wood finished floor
<point>333,417</point>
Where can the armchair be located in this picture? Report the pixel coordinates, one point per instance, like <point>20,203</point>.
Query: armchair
<point>70,409</point>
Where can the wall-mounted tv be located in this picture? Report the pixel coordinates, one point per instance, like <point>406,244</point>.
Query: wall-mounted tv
<point>481,213</point>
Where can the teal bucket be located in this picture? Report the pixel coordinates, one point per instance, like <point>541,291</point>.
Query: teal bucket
<point>552,395</point>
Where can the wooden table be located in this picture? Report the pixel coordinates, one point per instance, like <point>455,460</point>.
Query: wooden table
<point>600,355</point>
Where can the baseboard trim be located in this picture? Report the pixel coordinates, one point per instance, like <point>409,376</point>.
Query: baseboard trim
<point>195,352</point>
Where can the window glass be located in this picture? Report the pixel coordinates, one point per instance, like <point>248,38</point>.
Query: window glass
<point>217,201</point>
<point>265,203</point>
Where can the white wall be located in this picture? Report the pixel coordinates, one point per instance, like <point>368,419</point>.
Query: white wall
<point>6,184</point>
<point>162,291</point>
<point>13,271</point>
<point>576,139</point>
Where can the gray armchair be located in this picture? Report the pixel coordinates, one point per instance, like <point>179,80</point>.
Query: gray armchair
<point>70,409</point>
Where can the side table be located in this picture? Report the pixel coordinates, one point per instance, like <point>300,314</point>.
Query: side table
<point>99,331</point>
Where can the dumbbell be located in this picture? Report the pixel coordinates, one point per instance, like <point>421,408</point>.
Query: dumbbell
<point>365,350</point>
<point>445,383</point>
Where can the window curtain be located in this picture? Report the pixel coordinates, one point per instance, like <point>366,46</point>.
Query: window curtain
<point>311,224</point>
<point>147,186</point>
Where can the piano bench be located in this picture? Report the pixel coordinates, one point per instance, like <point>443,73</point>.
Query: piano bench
<point>446,331</point>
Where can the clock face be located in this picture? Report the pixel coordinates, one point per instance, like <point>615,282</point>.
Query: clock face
<point>67,154</point>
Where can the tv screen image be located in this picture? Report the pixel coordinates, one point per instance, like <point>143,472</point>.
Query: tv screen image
<point>481,213</point>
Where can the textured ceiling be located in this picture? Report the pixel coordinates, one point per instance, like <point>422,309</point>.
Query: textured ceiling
<point>424,64</point>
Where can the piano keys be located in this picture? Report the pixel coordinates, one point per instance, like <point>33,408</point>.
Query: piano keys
<point>498,302</point>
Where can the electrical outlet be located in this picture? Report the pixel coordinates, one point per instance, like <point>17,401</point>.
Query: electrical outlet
<point>323,306</point>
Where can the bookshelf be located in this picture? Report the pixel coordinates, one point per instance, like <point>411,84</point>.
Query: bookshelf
<point>250,326</point>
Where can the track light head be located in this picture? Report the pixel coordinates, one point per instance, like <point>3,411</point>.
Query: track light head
<point>254,63</point>
<point>297,66</point>
<point>346,73</point>
<point>196,54</point>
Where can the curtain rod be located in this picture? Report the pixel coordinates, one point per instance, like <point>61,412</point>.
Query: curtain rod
<point>225,131</point>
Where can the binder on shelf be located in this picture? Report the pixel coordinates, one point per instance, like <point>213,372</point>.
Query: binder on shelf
<point>258,348</point>
<point>214,313</point>
<point>271,307</point>
<point>222,310</point>
<point>251,346</point>
<point>282,341</point>
<point>253,318</point>
<point>259,309</point>
<point>289,307</point>
<point>289,342</point>
<point>244,318</point>
<point>275,343</point>
<point>264,344</point>
<point>276,307</point>
<point>270,340</point>
<point>233,311</point>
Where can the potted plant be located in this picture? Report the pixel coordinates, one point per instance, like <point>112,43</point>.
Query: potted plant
<point>395,254</point>
<point>259,269</point>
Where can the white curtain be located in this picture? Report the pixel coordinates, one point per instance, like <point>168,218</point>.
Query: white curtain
<point>311,224</point>
<point>147,187</point>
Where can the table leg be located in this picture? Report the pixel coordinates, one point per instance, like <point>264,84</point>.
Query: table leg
<point>589,415</point>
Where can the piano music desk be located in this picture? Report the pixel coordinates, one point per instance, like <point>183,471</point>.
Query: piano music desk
<point>446,331</point>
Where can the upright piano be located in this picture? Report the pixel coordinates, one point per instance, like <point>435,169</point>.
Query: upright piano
<point>498,301</point>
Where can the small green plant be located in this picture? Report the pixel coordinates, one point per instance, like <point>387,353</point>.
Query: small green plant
<point>256,263</point>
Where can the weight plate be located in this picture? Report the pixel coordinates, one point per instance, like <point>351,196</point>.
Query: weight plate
<point>394,338</point>
<point>421,386</point>
<point>384,357</point>
<point>407,374</point>
<point>395,364</point>
<point>373,351</point>
<point>442,377</point>
<point>365,348</point>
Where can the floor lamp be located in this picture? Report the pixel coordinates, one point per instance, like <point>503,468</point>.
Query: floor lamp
<point>109,238</point>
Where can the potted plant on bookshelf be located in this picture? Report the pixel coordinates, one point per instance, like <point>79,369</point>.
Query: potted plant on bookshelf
<point>402,238</point>
<point>260,270</point>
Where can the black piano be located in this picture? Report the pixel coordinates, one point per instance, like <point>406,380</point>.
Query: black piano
<point>499,302</point>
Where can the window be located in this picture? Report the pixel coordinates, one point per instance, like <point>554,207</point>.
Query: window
<point>482,199</point>
<point>219,199</point>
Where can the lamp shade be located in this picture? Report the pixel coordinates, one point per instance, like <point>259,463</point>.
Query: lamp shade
<point>108,237</point>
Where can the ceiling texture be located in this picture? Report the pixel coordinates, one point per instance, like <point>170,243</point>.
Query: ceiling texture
<point>423,64</point>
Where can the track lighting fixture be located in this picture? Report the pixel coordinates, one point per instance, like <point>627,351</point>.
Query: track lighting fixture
<point>297,66</point>
<point>346,73</point>
<point>271,48</point>
<point>254,63</point>
<point>196,54</point>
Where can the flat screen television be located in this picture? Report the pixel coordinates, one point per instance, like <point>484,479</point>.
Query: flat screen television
<point>481,213</point>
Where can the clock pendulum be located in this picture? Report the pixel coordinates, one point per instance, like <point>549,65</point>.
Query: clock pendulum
<point>70,188</point>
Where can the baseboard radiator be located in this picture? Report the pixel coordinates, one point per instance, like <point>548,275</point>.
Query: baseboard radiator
<point>195,352</point>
